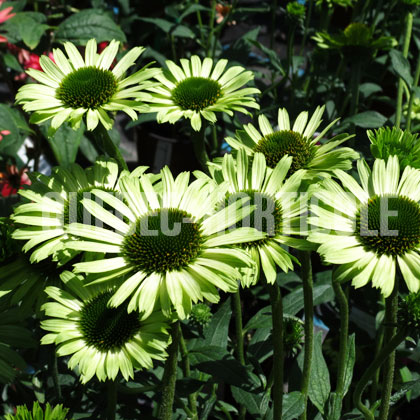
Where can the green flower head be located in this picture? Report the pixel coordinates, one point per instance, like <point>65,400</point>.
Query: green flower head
<point>373,228</point>
<point>297,141</point>
<point>37,413</point>
<point>102,340</point>
<point>201,314</point>
<point>356,41</point>
<point>332,3</point>
<point>170,246</point>
<point>293,334</point>
<point>73,87</point>
<point>393,141</point>
<point>295,10</point>
<point>197,89</point>
<point>409,313</point>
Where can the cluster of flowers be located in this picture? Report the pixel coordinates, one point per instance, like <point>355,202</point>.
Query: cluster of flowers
<point>144,247</point>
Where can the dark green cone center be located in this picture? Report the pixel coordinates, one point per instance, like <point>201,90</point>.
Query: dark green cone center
<point>267,216</point>
<point>389,225</point>
<point>285,142</point>
<point>88,87</point>
<point>196,93</point>
<point>165,240</point>
<point>107,328</point>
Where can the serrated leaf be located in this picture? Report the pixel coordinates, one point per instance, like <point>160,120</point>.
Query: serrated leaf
<point>406,387</point>
<point>87,24</point>
<point>401,66</point>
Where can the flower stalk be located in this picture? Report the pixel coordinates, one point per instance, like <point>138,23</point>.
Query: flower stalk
<point>111,408</point>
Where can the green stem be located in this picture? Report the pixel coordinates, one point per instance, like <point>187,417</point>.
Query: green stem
<point>192,398</point>
<point>412,95</point>
<point>105,144</point>
<point>278,349</point>
<point>355,82</point>
<point>374,366</point>
<point>111,405</point>
<point>199,145</point>
<point>305,259</point>
<point>200,24</point>
<point>54,374</point>
<point>211,27</point>
<point>274,6</point>
<point>169,376</point>
<point>307,22</point>
<point>378,347</point>
<point>391,309</point>
<point>344,332</point>
<point>237,309</point>
<point>408,26</point>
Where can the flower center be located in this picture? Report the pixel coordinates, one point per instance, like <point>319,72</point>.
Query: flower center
<point>267,216</point>
<point>357,34</point>
<point>286,142</point>
<point>196,93</point>
<point>88,87</point>
<point>164,240</point>
<point>74,211</point>
<point>389,225</point>
<point>107,328</point>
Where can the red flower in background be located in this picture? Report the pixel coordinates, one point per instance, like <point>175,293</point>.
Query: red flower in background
<point>4,133</point>
<point>5,15</point>
<point>13,180</point>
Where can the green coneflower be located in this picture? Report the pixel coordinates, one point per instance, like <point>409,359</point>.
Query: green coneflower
<point>37,413</point>
<point>72,87</point>
<point>171,244</point>
<point>356,40</point>
<point>297,142</point>
<point>370,229</point>
<point>55,201</point>
<point>387,142</point>
<point>277,212</point>
<point>102,340</point>
<point>196,90</point>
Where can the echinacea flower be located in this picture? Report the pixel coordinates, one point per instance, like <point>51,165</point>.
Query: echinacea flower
<point>74,87</point>
<point>298,142</point>
<point>38,413</point>
<point>102,340</point>
<point>170,245</point>
<point>13,180</point>
<point>55,201</point>
<point>277,213</point>
<point>197,89</point>
<point>5,14</point>
<point>388,141</point>
<point>373,228</point>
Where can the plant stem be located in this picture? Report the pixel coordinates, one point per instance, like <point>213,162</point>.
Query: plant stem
<point>200,24</point>
<point>274,6</point>
<point>378,347</point>
<point>307,22</point>
<point>305,259</point>
<point>237,309</point>
<point>355,81</point>
<point>169,376</point>
<point>391,309</point>
<point>54,374</point>
<point>344,332</point>
<point>111,405</point>
<point>105,144</point>
<point>278,349</point>
<point>192,398</point>
<point>412,95</point>
<point>408,26</point>
<point>374,366</point>
<point>199,145</point>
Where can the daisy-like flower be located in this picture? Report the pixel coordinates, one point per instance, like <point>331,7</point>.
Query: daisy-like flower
<point>5,14</point>
<point>387,142</point>
<point>56,201</point>
<point>13,180</point>
<point>73,87</point>
<point>170,246</point>
<point>298,142</point>
<point>277,213</point>
<point>370,229</point>
<point>38,413</point>
<point>196,90</point>
<point>102,340</point>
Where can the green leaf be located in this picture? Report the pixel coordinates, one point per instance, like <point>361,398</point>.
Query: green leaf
<point>406,376</point>
<point>293,405</point>
<point>406,387</point>
<point>367,119</point>
<point>216,332</point>
<point>350,359</point>
<point>319,380</point>
<point>401,66</point>
<point>88,149</point>
<point>65,143</point>
<point>293,302</point>
<point>191,9</point>
<point>11,61</point>
<point>87,24</point>
<point>163,24</point>
<point>335,404</point>
<point>249,400</point>
<point>271,55</point>
<point>367,89</point>
<point>183,32</point>
<point>11,119</point>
